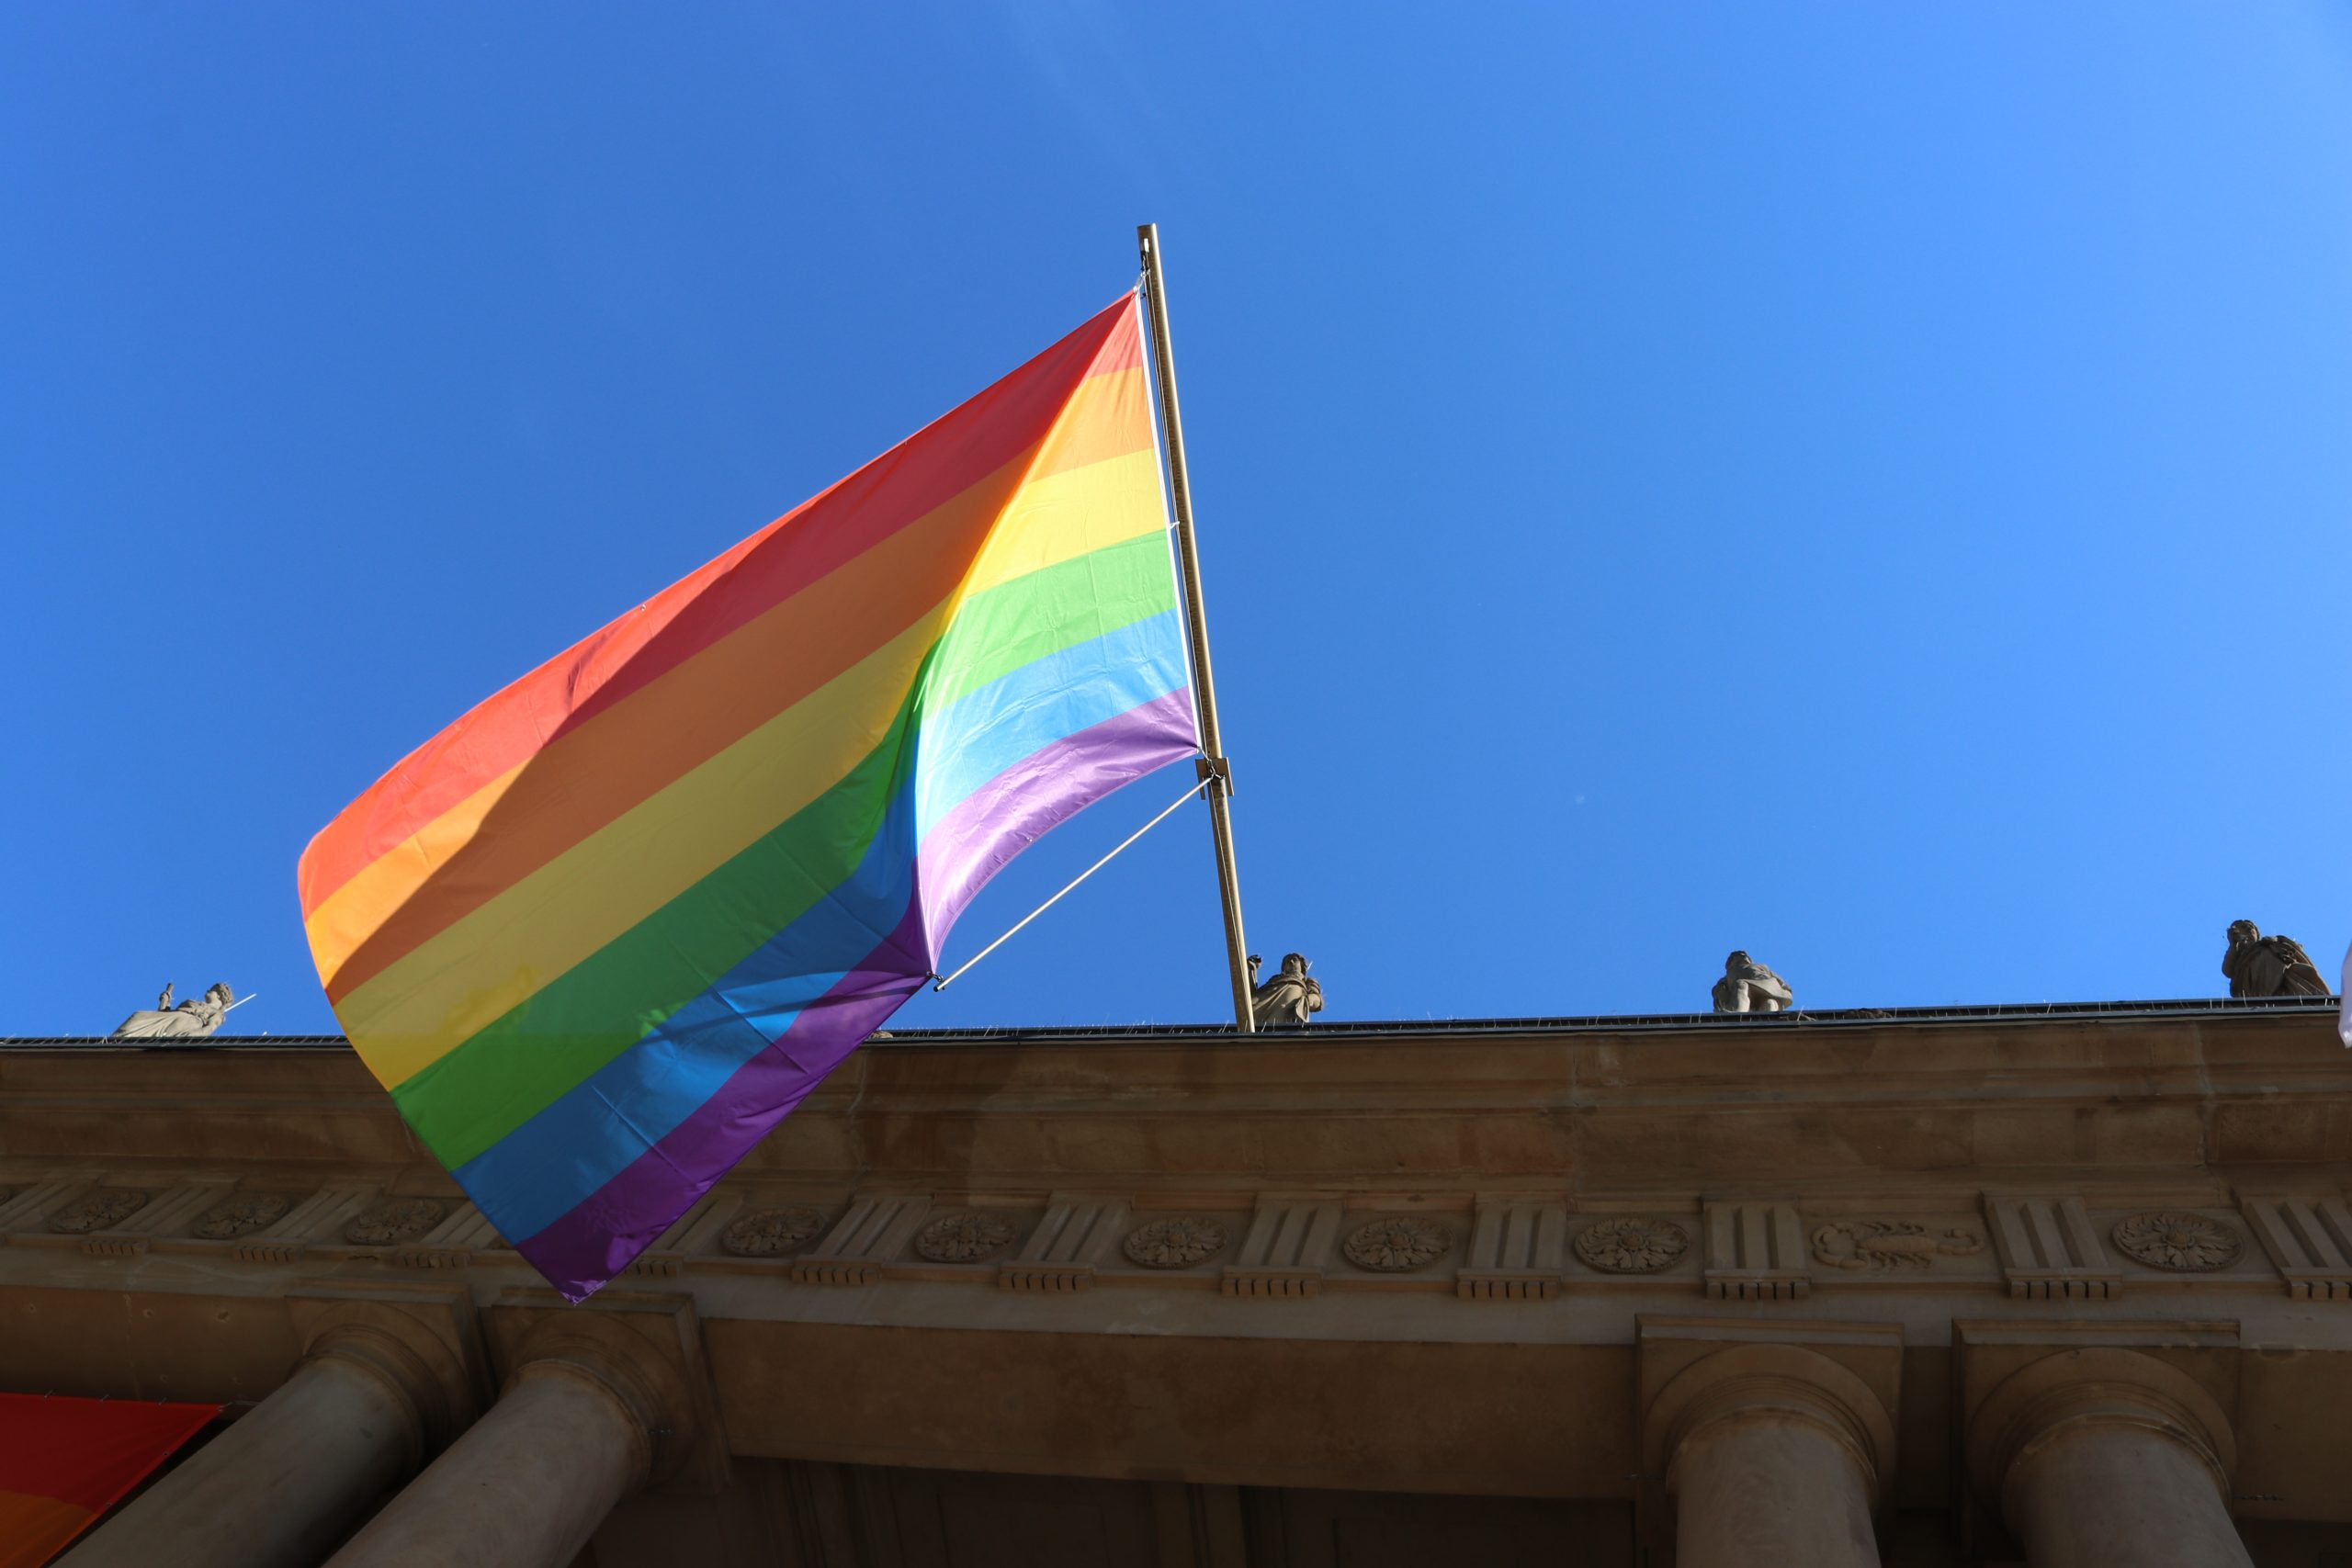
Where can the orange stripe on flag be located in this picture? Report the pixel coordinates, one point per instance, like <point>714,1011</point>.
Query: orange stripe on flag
<point>34,1530</point>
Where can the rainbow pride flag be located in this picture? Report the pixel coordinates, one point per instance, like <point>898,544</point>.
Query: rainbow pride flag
<point>63,1462</point>
<point>603,931</point>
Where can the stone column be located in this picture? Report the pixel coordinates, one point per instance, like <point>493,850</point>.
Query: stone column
<point>1771,1454</point>
<point>285,1482</point>
<point>572,1434</point>
<point>2108,1459</point>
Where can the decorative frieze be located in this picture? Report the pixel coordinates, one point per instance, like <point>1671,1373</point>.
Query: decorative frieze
<point>701,1228</point>
<point>1516,1247</point>
<point>974,1236</point>
<point>108,1221</point>
<point>1176,1243</point>
<point>394,1220</point>
<point>240,1215</point>
<point>322,1216</point>
<point>2179,1242</point>
<point>771,1233</point>
<point>1402,1244</point>
<point>1632,1247</point>
<point>450,1244</point>
<point>1890,1247</point>
<point>101,1208</point>
<point>1756,1252</point>
<point>1283,1253</point>
<point>1516,1251</point>
<point>22,1213</point>
<point>2050,1250</point>
<point>160,1215</point>
<point>873,1231</point>
<point>2310,1241</point>
<point>1075,1234</point>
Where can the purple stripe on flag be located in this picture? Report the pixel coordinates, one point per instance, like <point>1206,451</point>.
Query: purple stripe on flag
<point>596,1240</point>
<point>982,833</point>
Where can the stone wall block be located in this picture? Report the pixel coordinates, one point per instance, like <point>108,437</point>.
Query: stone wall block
<point>1756,1252</point>
<point>2309,1240</point>
<point>2050,1250</point>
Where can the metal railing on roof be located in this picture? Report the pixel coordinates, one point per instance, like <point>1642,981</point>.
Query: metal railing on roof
<point>1442,1028</point>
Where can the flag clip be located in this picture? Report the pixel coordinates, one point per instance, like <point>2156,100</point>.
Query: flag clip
<point>1217,772</point>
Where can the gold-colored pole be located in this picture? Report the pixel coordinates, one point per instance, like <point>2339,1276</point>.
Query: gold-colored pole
<point>1215,775</point>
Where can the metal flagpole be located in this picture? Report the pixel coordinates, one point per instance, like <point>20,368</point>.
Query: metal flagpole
<point>1215,773</point>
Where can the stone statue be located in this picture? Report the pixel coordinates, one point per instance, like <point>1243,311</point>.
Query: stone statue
<point>1288,998</point>
<point>1748,986</point>
<point>2261,965</point>
<point>188,1021</point>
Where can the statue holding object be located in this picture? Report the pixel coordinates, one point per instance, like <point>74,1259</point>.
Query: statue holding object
<point>1289,997</point>
<point>2260,965</point>
<point>188,1021</point>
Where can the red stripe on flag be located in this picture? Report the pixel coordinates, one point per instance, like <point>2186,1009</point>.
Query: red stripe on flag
<point>906,483</point>
<point>80,1454</point>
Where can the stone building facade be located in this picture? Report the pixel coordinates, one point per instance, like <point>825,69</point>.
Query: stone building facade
<point>2060,1286</point>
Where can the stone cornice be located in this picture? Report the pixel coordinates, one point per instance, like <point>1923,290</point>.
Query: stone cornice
<point>1633,1113</point>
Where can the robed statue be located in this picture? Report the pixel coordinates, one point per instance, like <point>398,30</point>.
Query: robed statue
<point>188,1021</point>
<point>1289,997</point>
<point>1749,987</point>
<point>2261,965</point>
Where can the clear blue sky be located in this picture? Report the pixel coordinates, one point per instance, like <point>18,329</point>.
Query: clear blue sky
<point>1868,484</point>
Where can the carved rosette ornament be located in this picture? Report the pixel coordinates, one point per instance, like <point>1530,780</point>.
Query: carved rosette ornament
<point>2185,1243</point>
<point>395,1219</point>
<point>1175,1244</point>
<point>1884,1247</point>
<point>769,1232</point>
<point>1396,1246</point>
<point>965,1237</point>
<point>101,1210</point>
<point>1632,1247</point>
<point>241,1215</point>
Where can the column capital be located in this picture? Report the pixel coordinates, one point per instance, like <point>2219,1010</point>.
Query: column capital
<point>422,1344</point>
<point>1770,1385</point>
<point>2072,1391</point>
<point>643,1350</point>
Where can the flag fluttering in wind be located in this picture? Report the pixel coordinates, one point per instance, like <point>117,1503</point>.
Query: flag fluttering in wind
<point>603,931</point>
<point>2343,1009</point>
<point>65,1461</point>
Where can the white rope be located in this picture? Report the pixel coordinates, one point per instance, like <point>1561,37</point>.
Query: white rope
<point>1097,865</point>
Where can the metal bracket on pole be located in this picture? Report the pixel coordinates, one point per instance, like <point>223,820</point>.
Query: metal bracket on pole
<point>1216,773</point>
